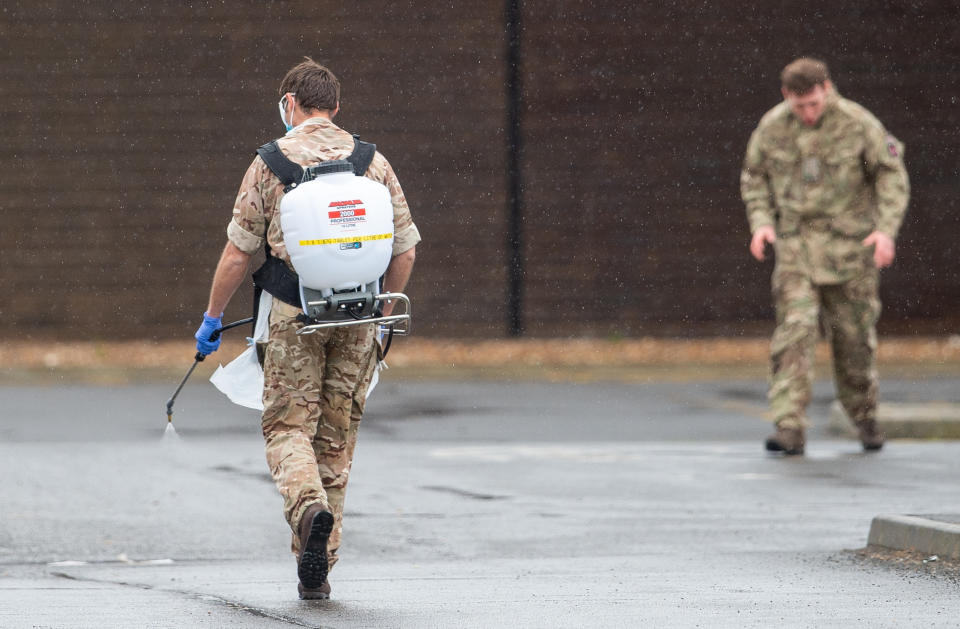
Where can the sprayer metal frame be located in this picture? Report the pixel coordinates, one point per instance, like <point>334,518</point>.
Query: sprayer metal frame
<point>404,317</point>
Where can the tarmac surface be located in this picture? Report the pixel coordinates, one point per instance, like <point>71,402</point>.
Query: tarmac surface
<point>471,504</point>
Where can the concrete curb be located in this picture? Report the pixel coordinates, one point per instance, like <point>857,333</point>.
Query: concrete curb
<point>929,534</point>
<point>934,420</point>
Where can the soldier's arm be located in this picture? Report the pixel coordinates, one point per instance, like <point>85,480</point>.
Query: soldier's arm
<point>405,238</point>
<point>883,158</point>
<point>405,232</point>
<point>397,274</point>
<point>230,273</point>
<point>755,186</point>
<point>245,236</point>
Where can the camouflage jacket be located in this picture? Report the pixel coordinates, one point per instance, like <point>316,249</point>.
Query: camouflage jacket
<point>309,143</point>
<point>824,188</point>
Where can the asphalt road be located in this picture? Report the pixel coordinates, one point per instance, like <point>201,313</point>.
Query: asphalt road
<point>470,505</point>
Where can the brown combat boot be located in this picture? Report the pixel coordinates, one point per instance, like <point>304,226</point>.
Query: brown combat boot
<point>871,436</point>
<point>314,594</point>
<point>315,527</point>
<point>790,441</point>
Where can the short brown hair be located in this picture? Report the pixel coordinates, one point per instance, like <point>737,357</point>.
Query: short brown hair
<point>314,85</point>
<point>803,74</point>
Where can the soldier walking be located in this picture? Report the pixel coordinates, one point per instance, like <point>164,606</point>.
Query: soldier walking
<point>314,385</point>
<point>824,183</point>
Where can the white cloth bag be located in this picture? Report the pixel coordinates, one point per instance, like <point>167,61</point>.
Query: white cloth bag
<point>242,379</point>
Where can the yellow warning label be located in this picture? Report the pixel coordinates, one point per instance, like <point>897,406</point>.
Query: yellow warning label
<point>337,241</point>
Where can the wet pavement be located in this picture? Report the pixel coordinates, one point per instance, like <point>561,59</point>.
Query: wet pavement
<point>470,505</point>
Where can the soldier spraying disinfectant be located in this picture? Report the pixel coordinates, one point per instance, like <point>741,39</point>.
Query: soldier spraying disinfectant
<point>315,376</point>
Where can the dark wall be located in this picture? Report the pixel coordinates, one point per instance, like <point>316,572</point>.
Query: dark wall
<point>127,130</point>
<point>638,116</point>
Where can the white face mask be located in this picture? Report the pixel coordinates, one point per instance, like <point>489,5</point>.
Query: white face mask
<point>283,111</point>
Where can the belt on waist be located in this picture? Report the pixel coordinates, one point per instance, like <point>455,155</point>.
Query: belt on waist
<point>816,224</point>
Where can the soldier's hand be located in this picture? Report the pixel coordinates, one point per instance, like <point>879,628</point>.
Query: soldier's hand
<point>761,237</point>
<point>207,328</point>
<point>883,248</point>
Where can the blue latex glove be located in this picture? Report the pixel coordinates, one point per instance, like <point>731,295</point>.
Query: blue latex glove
<point>210,325</point>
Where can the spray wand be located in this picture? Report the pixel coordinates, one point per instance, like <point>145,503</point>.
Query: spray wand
<point>198,359</point>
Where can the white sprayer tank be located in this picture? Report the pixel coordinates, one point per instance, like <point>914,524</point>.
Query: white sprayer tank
<point>338,229</point>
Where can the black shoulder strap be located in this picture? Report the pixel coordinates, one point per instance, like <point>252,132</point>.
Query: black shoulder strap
<point>361,156</point>
<point>290,173</point>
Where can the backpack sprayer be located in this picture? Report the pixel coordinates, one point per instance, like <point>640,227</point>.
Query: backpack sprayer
<point>338,230</point>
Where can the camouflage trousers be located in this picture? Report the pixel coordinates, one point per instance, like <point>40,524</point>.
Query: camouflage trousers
<point>313,397</point>
<point>849,313</point>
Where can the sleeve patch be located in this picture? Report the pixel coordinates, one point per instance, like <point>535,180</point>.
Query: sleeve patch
<point>892,146</point>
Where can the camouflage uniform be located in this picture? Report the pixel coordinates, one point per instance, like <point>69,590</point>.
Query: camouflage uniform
<point>314,385</point>
<point>825,188</point>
